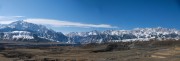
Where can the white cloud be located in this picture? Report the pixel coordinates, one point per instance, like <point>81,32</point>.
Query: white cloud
<point>52,22</point>
<point>18,16</point>
<point>59,23</point>
<point>9,19</point>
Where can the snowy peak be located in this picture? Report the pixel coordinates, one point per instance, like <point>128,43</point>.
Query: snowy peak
<point>22,30</point>
<point>83,34</point>
<point>19,24</point>
<point>22,25</point>
<point>126,35</point>
<point>158,30</point>
<point>27,30</point>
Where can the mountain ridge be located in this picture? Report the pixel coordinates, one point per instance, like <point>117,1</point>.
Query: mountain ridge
<point>33,29</point>
<point>143,34</point>
<point>25,31</point>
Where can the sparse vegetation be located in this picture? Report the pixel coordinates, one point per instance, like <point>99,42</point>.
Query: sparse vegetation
<point>152,50</point>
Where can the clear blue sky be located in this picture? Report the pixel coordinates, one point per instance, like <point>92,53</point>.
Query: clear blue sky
<point>124,14</point>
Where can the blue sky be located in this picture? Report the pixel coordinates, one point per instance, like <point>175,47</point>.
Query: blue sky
<point>85,15</point>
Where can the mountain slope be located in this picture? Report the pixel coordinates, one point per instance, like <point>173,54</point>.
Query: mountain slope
<point>143,34</point>
<point>25,30</point>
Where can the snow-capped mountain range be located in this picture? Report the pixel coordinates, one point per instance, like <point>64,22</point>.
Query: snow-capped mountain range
<point>25,31</point>
<point>142,34</point>
<point>29,31</point>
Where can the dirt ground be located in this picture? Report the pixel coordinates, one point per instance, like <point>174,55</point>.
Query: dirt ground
<point>68,53</point>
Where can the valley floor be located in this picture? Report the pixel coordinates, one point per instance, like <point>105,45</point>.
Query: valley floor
<point>68,53</point>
